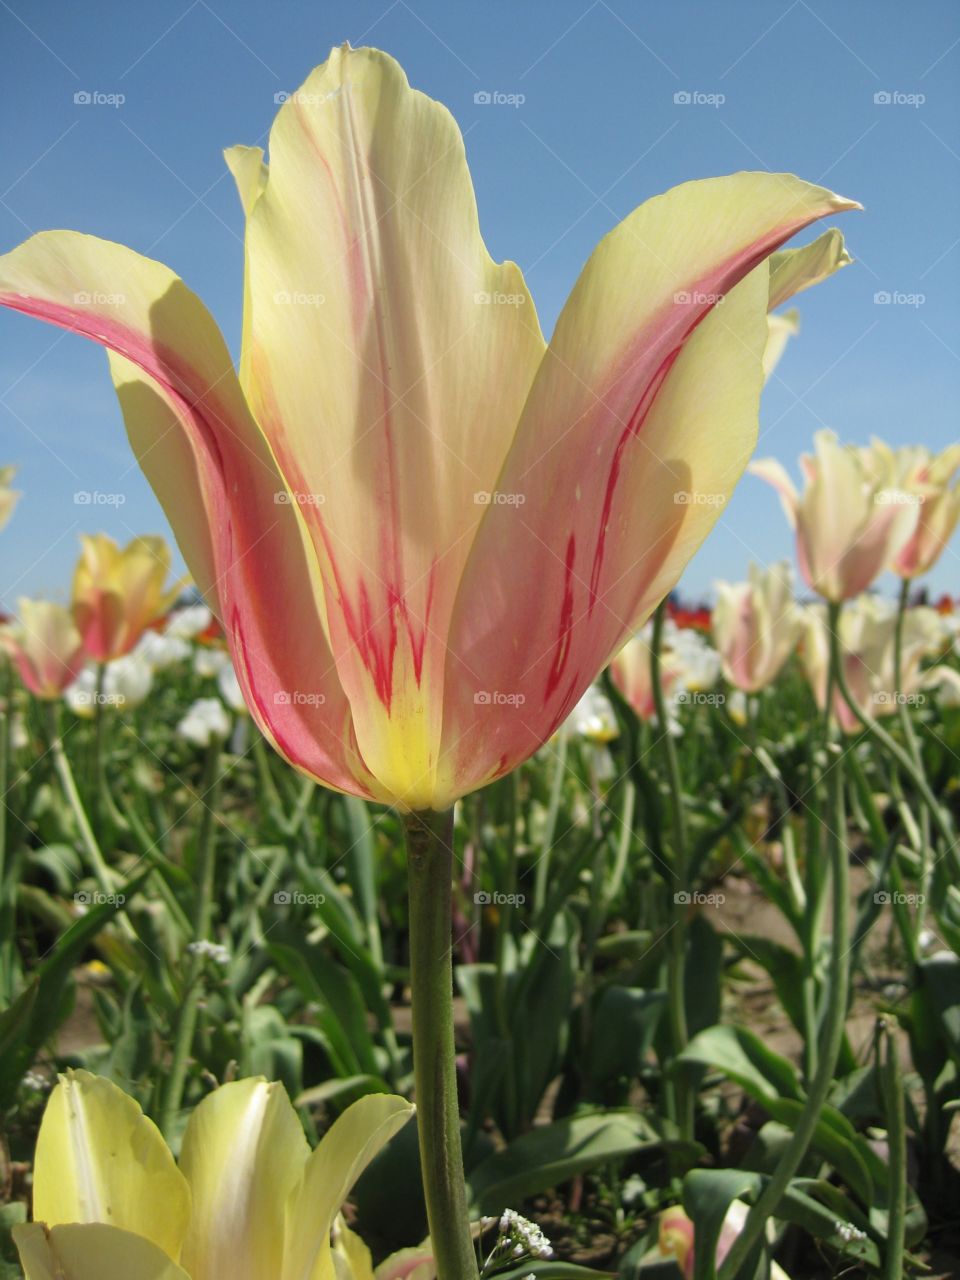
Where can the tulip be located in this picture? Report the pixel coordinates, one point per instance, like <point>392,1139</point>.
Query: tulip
<point>118,593</point>
<point>407,499</point>
<point>867,643</point>
<point>46,646</point>
<point>8,496</point>
<point>633,676</point>
<point>930,481</point>
<point>756,625</point>
<point>677,1239</point>
<point>249,1199</point>
<point>851,519</point>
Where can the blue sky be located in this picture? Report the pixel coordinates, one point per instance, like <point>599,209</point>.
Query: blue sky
<point>598,132</point>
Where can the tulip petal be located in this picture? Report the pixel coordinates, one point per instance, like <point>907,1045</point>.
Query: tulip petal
<point>390,361</point>
<point>793,270</point>
<point>243,1153</point>
<point>100,1159</point>
<point>640,422</point>
<point>90,1252</point>
<point>775,474</point>
<point>214,474</point>
<point>342,1155</point>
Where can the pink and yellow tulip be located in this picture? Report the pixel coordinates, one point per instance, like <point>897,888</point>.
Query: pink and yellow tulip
<point>867,646</point>
<point>118,592</point>
<point>756,625</point>
<point>426,529</point>
<point>46,647</point>
<point>930,480</point>
<point>249,1199</point>
<point>850,521</point>
<point>8,495</point>
<point>633,676</point>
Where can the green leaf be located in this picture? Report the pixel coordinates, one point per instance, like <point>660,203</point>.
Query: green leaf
<point>744,1058</point>
<point>550,1155</point>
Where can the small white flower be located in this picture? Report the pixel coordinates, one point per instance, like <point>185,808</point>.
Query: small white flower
<point>593,717</point>
<point>187,623</point>
<point>127,682</point>
<point>214,950</point>
<point>230,690</point>
<point>206,719</point>
<point>208,663</point>
<point>161,651</point>
<point>848,1232</point>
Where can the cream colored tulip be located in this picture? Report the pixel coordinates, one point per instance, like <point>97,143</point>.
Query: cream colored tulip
<point>867,635</point>
<point>46,647</point>
<point>929,479</point>
<point>756,625</point>
<point>851,519</point>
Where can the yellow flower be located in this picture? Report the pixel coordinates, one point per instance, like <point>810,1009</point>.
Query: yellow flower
<point>249,1200</point>
<point>45,645</point>
<point>425,529</point>
<point>118,592</point>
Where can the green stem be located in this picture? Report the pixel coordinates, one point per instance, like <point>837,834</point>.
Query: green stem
<point>7,899</point>
<point>204,875</point>
<point>888,1065</point>
<point>834,1018</point>
<point>913,746</point>
<point>104,876</point>
<point>893,748</point>
<point>429,838</point>
<point>677,942</point>
<point>541,878</point>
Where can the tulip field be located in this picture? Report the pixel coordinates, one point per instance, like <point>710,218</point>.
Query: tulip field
<point>430,885</point>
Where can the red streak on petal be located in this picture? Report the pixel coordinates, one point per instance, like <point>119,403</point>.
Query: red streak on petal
<point>564,634</point>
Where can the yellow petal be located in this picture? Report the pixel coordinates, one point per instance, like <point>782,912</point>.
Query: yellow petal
<point>781,327</point>
<point>390,361</point>
<point>90,1252</point>
<point>243,1153</point>
<point>793,270</point>
<point>343,1154</point>
<point>100,1159</point>
<point>640,422</point>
